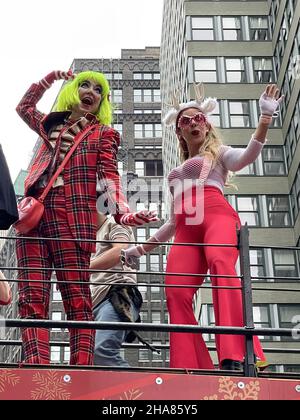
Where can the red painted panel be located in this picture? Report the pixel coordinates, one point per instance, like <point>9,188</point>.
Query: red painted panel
<point>36,384</point>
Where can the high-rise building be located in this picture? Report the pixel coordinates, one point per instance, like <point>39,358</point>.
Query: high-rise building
<point>236,48</point>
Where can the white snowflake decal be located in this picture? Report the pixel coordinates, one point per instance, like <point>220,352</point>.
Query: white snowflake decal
<point>51,386</point>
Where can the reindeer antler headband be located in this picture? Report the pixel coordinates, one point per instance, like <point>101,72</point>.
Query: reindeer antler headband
<point>207,106</point>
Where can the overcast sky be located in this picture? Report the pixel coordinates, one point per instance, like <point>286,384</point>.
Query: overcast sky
<point>38,37</point>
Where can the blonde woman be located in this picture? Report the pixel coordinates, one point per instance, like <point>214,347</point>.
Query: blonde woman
<point>202,215</point>
<point>5,292</point>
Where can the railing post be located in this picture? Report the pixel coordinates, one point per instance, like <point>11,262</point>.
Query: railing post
<point>243,246</point>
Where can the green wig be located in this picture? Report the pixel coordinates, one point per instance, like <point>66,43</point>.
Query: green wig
<point>69,97</point>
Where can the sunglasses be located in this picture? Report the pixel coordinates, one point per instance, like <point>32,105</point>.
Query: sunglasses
<point>185,121</point>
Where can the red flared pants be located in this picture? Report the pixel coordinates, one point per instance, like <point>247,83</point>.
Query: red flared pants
<point>219,226</point>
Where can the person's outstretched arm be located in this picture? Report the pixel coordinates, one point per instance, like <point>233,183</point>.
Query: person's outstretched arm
<point>5,292</point>
<point>235,159</point>
<point>27,107</point>
<point>131,255</point>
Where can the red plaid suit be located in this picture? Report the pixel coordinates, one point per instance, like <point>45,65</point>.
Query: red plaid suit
<point>95,154</point>
<point>70,213</point>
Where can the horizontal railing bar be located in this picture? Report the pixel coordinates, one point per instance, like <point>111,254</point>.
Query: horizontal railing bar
<point>119,242</point>
<point>153,273</point>
<point>143,346</point>
<point>34,323</point>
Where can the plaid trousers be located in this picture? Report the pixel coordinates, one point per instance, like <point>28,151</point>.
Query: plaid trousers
<point>34,297</point>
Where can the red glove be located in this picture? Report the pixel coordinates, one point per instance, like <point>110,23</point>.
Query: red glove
<point>47,81</point>
<point>136,219</point>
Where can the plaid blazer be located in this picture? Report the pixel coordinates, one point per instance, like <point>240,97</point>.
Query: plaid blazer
<point>95,155</point>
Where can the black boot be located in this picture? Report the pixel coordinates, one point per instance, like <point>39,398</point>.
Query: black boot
<point>229,364</point>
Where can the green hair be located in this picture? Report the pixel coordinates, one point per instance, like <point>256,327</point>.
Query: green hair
<point>68,97</point>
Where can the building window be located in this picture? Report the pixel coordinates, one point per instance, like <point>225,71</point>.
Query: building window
<point>263,70</point>
<point>55,354</point>
<point>154,262</point>
<point>156,356</point>
<point>147,130</point>
<point>67,354</point>
<point>215,118</point>
<point>259,28</point>
<point>202,29</point>
<point>273,161</point>
<point>285,263</point>
<point>147,111</point>
<point>205,70</point>
<point>231,28</point>
<point>147,95</point>
<point>118,127</point>
<point>235,70</point>
<point>164,262</point>
<point>143,355</point>
<point>291,368</point>
<point>278,211</point>
<point>113,76</point>
<point>146,76</point>
<point>290,145</point>
<point>261,318</point>
<point>257,264</point>
<point>56,316</point>
<point>155,317</point>
<point>143,262</point>
<point>155,291</point>
<point>289,317</point>
<point>149,168</point>
<point>117,96</point>
<point>248,210</point>
<point>56,295</point>
<point>207,318</point>
<point>140,168</point>
<point>249,170</point>
<point>141,234</point>
<point>239,113</point>
<point>143,290</point>
<point>144,316</point>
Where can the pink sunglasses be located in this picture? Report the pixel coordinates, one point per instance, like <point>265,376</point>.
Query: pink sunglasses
<point>185,121</point>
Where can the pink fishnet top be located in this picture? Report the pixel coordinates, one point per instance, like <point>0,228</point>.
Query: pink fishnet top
<point>230,159</point>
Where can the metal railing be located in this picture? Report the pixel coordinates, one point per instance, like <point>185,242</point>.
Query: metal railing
<point>249,330</point>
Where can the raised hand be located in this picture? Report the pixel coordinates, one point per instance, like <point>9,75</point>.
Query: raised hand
<point>269,101</point>
<point>47,81</point>
<point>137,219</point>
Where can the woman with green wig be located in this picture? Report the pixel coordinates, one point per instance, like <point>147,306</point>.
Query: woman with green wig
<point>82,109</point>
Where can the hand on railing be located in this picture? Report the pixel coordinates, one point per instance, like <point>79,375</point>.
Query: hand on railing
<point>131,256</point>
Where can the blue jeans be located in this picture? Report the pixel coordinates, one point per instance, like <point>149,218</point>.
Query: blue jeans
<point>108,342</point>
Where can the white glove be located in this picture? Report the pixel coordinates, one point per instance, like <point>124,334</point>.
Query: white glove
<point>269,101</point>
<point>131,256</point>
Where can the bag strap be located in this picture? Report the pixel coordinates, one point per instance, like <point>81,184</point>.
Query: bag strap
<point>65,161</point>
